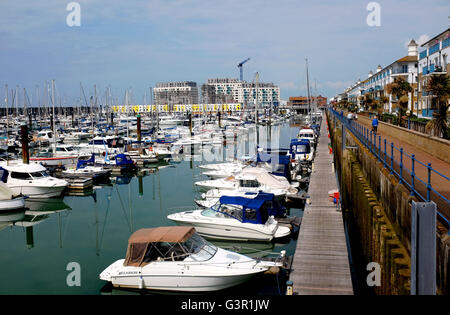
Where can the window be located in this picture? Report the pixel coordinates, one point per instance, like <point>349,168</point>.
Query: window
<point>250,214</point>
<point>22,176</point>
<point>249,183</point>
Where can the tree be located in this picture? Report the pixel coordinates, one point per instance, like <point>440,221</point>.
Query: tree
<point>400,88</point>
<point>383,101</point>
<point>368,101</point>
<point>439,87</point>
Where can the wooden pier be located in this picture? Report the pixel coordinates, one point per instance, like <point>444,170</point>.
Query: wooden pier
<point>321,262</point>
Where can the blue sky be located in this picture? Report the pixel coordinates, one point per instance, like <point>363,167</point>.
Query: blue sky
<point>135,44</point>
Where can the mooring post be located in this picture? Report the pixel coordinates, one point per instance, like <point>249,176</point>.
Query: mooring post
<point>25,151</point>
<point>138,127</point>
<point>289,287</point>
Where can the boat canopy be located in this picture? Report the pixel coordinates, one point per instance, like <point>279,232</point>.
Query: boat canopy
<point>161,243</point>
<point>123,160</point>
<point>252,210</point>
<point>302,146</point>
<point>171,234</point>
<point>279,161</point>
<point>83,163</point>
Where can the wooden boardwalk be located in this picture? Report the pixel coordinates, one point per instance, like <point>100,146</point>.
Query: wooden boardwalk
<point>321,263</point>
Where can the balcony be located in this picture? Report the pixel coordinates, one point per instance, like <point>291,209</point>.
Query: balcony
<point>434,48</point>
<point>423,54</point>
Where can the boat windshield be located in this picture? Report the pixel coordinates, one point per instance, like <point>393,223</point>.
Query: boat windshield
<point>195,248</point>
<point>39,174</point>
<point>249,183</point>
<point>301,148</point>
<point>226,211</point>
<point>201,249</point>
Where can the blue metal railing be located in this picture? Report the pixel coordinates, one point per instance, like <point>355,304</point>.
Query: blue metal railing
<point>394,159</point>
<point>423,54</point>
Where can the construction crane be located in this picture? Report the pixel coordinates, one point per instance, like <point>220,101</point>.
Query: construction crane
<point>240,67</point>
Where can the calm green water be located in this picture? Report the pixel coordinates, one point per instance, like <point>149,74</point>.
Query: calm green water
<point>37,246</point>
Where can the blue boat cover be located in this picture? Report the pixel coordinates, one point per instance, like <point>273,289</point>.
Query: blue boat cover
<point>273,207</point>
<point>123,160</point>
<point>83,163</point>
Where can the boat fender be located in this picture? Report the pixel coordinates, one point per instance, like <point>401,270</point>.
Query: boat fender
<point>272,271</point>
<point>141,283</point>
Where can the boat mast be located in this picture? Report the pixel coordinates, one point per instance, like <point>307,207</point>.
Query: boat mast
<point>256,111</point>
<point>7,120</point>
<point>53,114</point>
<point>307,83</point>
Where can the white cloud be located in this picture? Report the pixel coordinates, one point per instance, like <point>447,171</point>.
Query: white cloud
<point>422,39</point>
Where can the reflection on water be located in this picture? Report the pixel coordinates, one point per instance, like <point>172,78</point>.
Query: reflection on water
<point>92,229</point>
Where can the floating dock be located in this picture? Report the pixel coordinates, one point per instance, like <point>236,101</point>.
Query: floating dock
<point>321,261</point>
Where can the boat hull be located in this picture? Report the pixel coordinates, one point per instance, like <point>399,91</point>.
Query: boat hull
<point>176,276</point>
<point>56,161</point>
<point>247,232</point>
<point>38,192</point>
<point>12,204</point>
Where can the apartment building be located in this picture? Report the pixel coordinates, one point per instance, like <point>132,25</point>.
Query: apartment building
<point>376,82</point>
<point>171,93</point>
<point>433,60</point>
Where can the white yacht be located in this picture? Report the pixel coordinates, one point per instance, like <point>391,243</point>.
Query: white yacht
<point>235,218</point>
<point>176,258</point>
<point>32,180</point>
<point>308,133</point>
<point>252,179</point>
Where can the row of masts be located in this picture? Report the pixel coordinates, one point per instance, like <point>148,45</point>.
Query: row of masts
<point>48,103</point>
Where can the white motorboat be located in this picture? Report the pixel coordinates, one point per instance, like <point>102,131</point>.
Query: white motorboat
<point>252,179</point>
<point>235,218</point>
<point>162,151</point>
<point>211,197</point>
<point>95,172</point>
<point>308,133</point>
<point>32,180</point>
<point>63,154</point>
<point>8,200</point>
<point>221,166</point>
<point>176,258</point>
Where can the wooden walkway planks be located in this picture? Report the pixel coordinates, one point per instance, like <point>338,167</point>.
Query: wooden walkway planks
<point>321,264</point>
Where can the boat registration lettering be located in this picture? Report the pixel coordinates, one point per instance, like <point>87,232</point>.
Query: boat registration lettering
<point>128,272</point>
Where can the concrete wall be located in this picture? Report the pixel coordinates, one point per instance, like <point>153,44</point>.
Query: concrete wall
<point>381,207</point>
<point>432,145</point>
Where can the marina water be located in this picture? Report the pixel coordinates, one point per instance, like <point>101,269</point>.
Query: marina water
<point>42,246</point>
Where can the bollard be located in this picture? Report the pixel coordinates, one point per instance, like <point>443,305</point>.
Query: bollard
<point>289,287</point>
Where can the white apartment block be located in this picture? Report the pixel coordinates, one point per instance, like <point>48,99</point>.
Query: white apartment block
<point>433,60</point>
<point>171,93</point>
<point>375,84</point>
<point>244,92</point>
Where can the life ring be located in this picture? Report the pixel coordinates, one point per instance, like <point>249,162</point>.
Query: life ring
<point>150,149</point>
